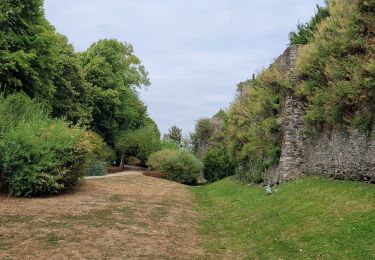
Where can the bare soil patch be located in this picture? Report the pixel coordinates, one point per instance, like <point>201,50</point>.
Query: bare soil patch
<point>116,218</point>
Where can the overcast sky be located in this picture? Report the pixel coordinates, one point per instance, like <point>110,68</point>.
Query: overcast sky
<point>196,51</point>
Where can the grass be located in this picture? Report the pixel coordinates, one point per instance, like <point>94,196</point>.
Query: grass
<point>148,218</point>
<point>117,218</point>
<point>312,218</point>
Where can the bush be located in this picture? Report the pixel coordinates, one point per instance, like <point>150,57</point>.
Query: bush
<point>38,155</point>
<point>131,160</point>
<point>98,168</point>
<point>157,159</point>
<point>217,165</point>
<point>176,165</point>
<point>99,150</point>
<point>140,143</point>
<point>167,144</point>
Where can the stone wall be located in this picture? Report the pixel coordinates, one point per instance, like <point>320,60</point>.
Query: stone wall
<point>332,153</point>
<point>341,155</point>
<point>292,145</point>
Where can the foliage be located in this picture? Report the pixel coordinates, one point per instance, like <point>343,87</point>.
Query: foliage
<point>98,168</point>
<point>157,159</point>
<point>16,108</point>
<point>176,165</point>
<point>217,164</point>
<point>203,129</point>
<point>99,150</point>
<point>311,218</point>
<point>38,61</point>
<point>73,96</point>
<point>337,68</point>
<point>114,72</point>
<point>38,155</point>
<point>183,167</point>
<point>194,143</point>
<point>131,160</point>
<point>253,124</point>
<point>28,55</point>
<point>305,32</point>
<point>209,133</point>
<point>175,135</point>
<point>167,144</point>
<point>140,143</point>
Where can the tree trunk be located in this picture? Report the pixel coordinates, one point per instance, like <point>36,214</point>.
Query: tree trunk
<point>122,162</point>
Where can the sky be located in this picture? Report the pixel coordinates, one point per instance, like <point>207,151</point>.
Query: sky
<point>195,51</point>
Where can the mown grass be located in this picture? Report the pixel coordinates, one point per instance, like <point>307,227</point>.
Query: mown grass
<point>312,218</point>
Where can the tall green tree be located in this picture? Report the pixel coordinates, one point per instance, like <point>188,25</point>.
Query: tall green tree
<point>28,53</point>
<point>73,96</point>
<point>175,135</point>
<point>40,62</point>
<point>115,74</point>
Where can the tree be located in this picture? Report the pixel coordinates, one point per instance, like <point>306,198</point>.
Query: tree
<point>73,97</point>
<point>115,73</point>
<point>28,53</point>
<point>40,62</point>
<point>175,135</point>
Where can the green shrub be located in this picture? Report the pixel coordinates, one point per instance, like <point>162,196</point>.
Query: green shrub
<point>16,108</point>
<point>99,150</point>
<point>176,165</point>
<point>168,144</point>
<point>38,155</point>
<point>217,165</point>
<point>140,143</point>
<point>183,167</point>
<point>157,159</point>
<point>131,160</point>
<point>251,172</point>
<point>97,168</point>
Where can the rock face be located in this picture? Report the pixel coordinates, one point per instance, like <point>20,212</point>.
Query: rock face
<point>331,153</point>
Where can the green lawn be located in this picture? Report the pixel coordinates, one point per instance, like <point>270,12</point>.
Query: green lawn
<point>312,218</point>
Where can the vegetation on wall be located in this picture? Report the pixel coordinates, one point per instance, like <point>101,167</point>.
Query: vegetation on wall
<point>254,122</point>
<point>209,142</point>
<point>306,31</point>
<point>337,69</point>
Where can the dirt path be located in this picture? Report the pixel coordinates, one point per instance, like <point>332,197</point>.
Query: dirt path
<point>126,217</point>
<point>126,173</point>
